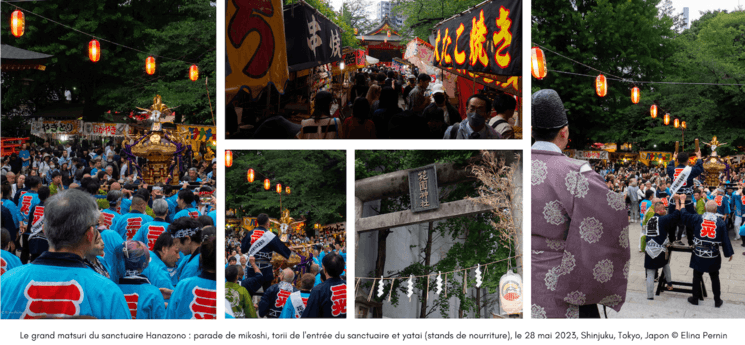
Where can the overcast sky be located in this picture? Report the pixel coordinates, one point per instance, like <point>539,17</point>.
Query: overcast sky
<point>695,6</point>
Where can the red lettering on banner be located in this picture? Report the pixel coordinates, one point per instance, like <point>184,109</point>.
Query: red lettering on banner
<point>256,235</point>
<point>153,232</point>
<point>339,300</point>
<point>281,298</point>
<point>204,304</point>
<point>38,213</point>
<point>26,204</point>
<point>708,229</point>
<point>3,266</point>
<point>718,199</point>
<point>675,176</point>
<point>194,214</point>
<point>246,20</point>
<point>60,299</point>
<point>132,301</point>
<point>133,224</point>
<point>108,218</point>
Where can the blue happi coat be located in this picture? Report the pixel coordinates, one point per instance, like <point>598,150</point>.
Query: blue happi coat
<point>194,298</point>
<point>149,232</point>
<point>143,299</point>
<point>709,235</point>
<point>128,224</point>
<point>60,285</point>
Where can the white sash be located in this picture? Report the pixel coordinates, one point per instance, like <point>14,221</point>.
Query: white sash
<point>679,182</point>
<point>267,237</point>
<point>297,303</point>
<point>36,229</point>
<point>654,249</point>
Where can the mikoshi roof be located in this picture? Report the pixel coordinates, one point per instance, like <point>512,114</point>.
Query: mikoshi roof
<point>380,33</point>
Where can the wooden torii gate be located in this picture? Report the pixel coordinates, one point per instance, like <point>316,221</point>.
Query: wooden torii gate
<point>396,184</point>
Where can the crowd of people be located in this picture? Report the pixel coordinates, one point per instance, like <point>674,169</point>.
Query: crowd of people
<point>383,103</point>
<point>96,241</point>
<point>312,286</point>
<point>668,213</point>
<point>580,207</point>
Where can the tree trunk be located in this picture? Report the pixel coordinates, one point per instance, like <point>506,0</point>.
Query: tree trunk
<point>427,258</point>
<point>380,264</point>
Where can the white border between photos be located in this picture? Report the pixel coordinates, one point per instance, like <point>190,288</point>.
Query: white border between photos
<point>363,325</point>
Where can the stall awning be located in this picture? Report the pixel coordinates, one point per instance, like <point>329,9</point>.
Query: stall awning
<point>312,39</point>
<point>484,39</point>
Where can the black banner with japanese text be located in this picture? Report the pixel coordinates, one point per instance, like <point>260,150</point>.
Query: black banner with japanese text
<point>486,39</point>
<point>312,40</point>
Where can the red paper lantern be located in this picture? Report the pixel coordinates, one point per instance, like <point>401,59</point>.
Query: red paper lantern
<point>150,65</point>
<point>267,185</point>
<point>683,124</point>
<point>17,23</point>
<point>601,86</point>
<point>666,119</point>
<point>250,175</point>
<point>228,158</point>
<point>279,188</point>
<point>676,123</point>
<point>538,63</point>
<point>287,189</point>
<point>193,73</point>
<point>389,33</point>
<point>94,50</point>
<point>355,31</point>
<point>653,111</point>
<point>635,95</point>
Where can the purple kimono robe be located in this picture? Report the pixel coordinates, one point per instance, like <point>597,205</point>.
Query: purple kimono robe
<point>580,237</point>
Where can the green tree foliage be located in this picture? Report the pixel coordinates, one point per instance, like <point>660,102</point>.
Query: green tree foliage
<point>179,29</point>
<point>317,181</point>
<point>711,51</point>
<point>625,38</point>
<point>422,15</point>
<point>354,13</point>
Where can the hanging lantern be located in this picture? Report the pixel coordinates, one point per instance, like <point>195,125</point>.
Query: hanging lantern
<point>676,123</point>
<point>653,111</point>
<point>250,175</point>
<point>355,31</point>
<point>193,73</point>
<point>150,65</point>
<point>94,50</point>
<point>317,226</point>
<point>279,188</point>
<point>267,185</point>
<point>666,119</point>
<point>683,124</point>
<point>538,63</point>
<point>635,95</point>
<point>511,293</point>
<point>17,23</point>
<point>601,86</point>
<point>287,189</point>
<point>228,158</point>
<point>389,33</point>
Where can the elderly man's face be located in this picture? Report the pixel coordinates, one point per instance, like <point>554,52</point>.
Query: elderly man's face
<point>243,261</point>
<point>192,173</point>
<point>11,178</point>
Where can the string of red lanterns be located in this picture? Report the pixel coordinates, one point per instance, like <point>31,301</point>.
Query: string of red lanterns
<point>18,27</point>
<point>539,71</point>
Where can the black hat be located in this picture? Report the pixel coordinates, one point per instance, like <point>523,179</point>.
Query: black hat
<point>548,110</point>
